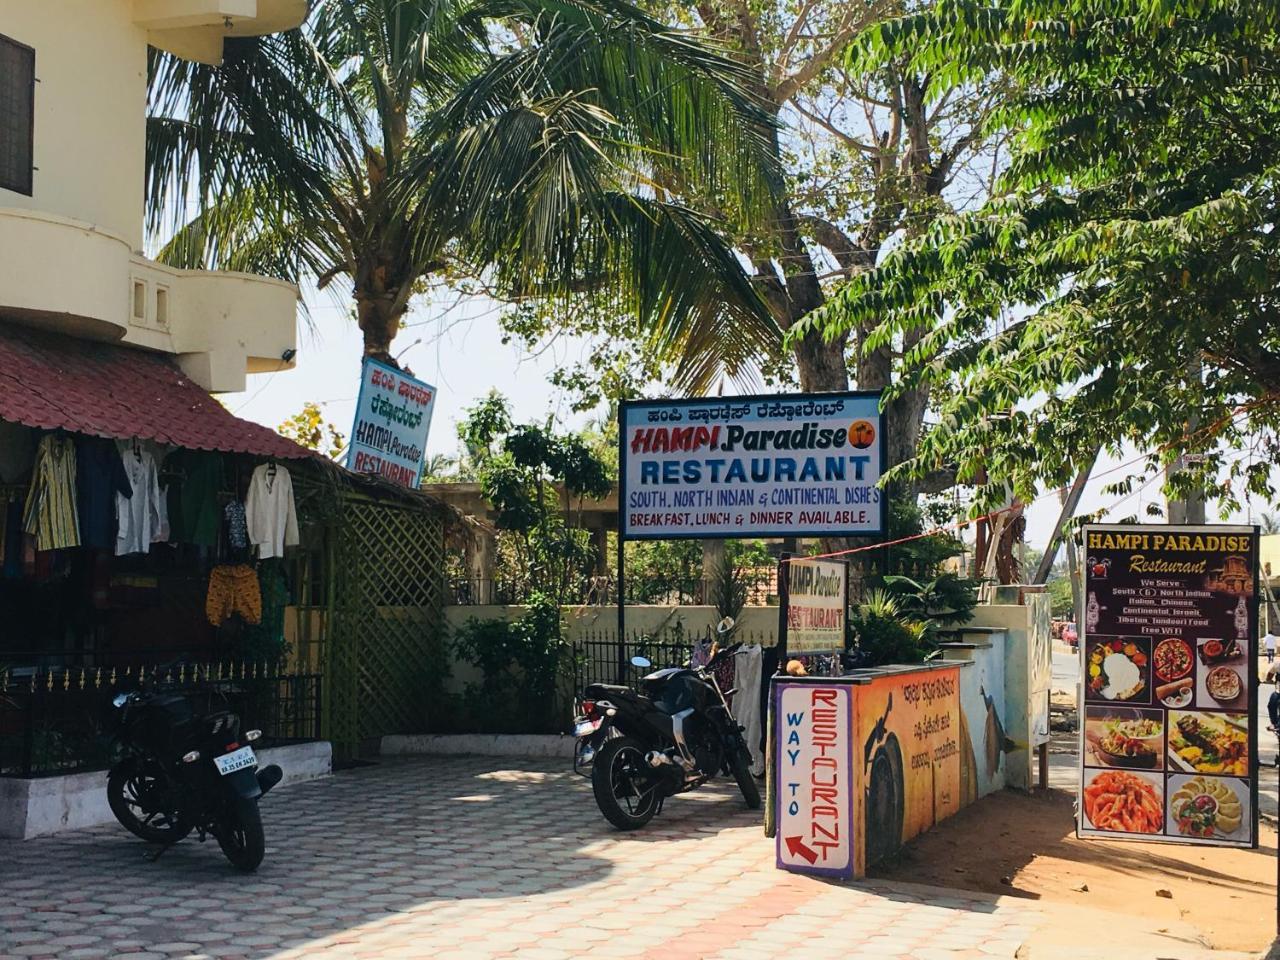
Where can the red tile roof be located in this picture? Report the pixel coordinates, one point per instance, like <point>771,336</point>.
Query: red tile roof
<point>52,381</point>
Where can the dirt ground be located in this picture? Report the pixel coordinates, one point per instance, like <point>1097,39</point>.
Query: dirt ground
<point>1016,844</point>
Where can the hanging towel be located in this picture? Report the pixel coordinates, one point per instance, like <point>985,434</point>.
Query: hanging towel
<point>51,515</point>
<point>269,511</point>
<point>746,705</point>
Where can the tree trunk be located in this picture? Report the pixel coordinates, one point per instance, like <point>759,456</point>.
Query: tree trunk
<point>381,303</point>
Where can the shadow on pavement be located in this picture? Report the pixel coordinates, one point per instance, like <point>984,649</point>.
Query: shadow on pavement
<point>341,852</point>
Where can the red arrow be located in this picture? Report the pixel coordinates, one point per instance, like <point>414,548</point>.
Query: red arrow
<point>797,848</point>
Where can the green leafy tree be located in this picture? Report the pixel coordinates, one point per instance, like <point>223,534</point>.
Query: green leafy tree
<point>309,428</point>
<point>1121,284</point>
<point>399,143</point>
<point>536,480</point>
<point>868,154</point>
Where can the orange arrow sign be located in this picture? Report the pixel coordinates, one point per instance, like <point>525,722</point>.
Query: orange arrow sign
<point>796,847</point>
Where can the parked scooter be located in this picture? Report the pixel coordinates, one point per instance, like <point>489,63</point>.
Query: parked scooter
<point>183,770</point>
<point>640,748</point>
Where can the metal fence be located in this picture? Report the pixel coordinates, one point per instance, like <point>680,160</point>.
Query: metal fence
<point>643,587</point>
<point>600,658</point>
<point>58,720</point>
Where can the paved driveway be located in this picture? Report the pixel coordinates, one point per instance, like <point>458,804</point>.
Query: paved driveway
<point>474,858</point>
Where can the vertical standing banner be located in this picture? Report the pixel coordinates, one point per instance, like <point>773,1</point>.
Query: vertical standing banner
<point>393,417</point>
<point>812,606</point>
<point>1169,734</point>
<point>814,796</point>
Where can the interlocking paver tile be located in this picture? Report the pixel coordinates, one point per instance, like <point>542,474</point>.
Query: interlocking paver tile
<point>388,861</point>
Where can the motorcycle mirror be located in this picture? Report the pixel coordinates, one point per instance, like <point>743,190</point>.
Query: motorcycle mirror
<point>644,663</point>
<point>120,700</point>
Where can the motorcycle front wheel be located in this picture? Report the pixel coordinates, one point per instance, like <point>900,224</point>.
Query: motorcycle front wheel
<point>137,797</point>
<point>240,836</point>
<point>625,793</point>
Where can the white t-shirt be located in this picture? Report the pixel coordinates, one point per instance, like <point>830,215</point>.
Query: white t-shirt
<point>1269,641</point>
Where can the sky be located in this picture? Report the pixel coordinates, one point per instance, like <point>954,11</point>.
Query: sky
<point>456,347</point>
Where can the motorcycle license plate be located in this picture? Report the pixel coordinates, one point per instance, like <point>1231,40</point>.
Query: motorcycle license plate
<point>237,760</point>
<point>584,728</point>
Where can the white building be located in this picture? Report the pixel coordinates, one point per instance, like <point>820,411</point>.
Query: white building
<point>73,77</point>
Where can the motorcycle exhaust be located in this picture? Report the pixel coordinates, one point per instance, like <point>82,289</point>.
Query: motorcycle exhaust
<point>656,759</point>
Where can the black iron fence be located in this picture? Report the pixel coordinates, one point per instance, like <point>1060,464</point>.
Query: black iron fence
<point>58,720</point>
<point>600,658</point>
<point>760,588</point>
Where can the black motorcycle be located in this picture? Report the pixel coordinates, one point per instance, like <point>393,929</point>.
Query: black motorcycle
<point>640,748</point>
<point>186,770</point>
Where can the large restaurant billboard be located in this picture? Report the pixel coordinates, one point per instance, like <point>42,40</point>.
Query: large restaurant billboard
<point>803,465</point>
<point>1168,654</point>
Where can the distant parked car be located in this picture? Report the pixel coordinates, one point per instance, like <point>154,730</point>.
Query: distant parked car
<point>1070,634</point>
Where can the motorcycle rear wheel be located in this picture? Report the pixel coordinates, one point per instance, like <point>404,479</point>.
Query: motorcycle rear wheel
<point>625,795</point>
<point>130,787</point>
<point>240,836</point>
<point>741,765</point>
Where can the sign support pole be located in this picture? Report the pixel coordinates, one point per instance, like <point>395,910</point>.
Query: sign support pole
<point>622,608</point>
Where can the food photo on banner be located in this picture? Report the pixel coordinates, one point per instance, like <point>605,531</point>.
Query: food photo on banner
<point>804,465</point>
<point>1169,731</point>
<point>393,418</point>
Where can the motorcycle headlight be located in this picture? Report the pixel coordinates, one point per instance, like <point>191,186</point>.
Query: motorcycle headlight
<point>191,756</point>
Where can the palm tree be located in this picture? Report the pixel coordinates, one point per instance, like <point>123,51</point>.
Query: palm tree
<point>517,141</point>
<point>1270,523</point>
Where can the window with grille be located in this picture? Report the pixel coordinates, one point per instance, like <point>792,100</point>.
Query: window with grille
<point>17,108</point>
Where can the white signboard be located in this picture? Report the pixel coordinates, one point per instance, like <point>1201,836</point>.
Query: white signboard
<point>814,764</point>
<point>393,417</point>
<point>804,465</point>
<point>814,603</point>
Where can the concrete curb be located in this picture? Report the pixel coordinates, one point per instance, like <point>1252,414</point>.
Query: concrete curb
<point>479,744</point>
<point>45,805</point>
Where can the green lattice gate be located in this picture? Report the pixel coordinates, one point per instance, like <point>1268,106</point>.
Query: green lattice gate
<point>386,586</point>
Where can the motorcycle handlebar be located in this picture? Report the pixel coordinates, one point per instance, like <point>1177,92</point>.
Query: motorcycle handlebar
<point>725,652</point>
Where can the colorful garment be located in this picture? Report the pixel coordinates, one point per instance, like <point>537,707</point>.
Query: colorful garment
<point>266,640</point>
<point>194,478</point>
<point>233,589</point>
<point>269,511</point>
<point>51,515</point>
<point>237,528</point>
<point>137,516</point>
<point>100,478</point>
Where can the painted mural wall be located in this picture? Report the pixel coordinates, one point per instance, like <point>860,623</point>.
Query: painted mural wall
<point>907,755</point>
<point>985,741</point>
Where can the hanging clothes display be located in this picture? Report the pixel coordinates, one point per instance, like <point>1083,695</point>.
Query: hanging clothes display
<point>746,705</point>
<point>233,589</point>
<point>137,516</point>
<point>194,479</point>
<point>51,515</point>
<point>269,511</point>
<point>237,528</point>
<point>265,641</point>
<point>100,478</point>
<point>11,501</point>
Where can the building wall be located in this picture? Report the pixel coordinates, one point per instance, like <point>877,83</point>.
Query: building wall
<point>73,258</point>
<point>90,117</point>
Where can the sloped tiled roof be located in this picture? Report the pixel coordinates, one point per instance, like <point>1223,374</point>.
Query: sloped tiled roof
<point>57,382</point>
